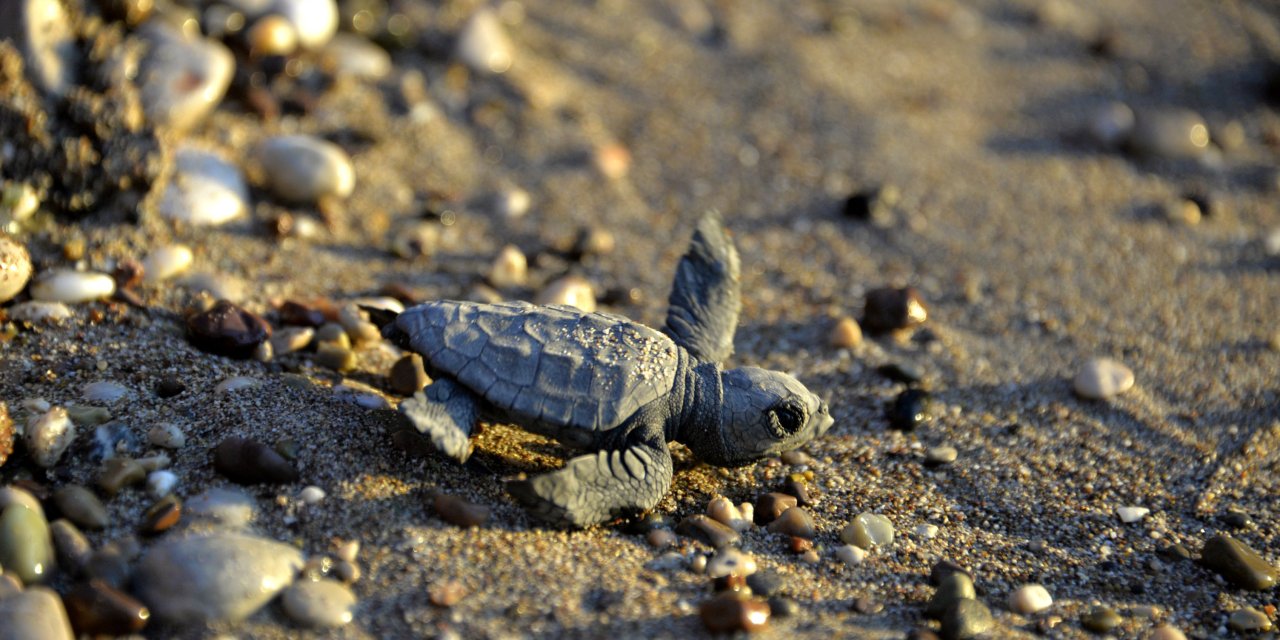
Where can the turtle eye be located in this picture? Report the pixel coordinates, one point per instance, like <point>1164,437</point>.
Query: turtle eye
<point>785,419</point>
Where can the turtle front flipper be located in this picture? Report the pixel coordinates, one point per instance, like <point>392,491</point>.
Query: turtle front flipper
<point>445,412</point>
<point>601,486</point>
<point>705,298</point>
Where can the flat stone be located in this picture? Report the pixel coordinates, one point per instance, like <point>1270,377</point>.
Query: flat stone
<point>41,31</point>
<point>354,56</point>
<point>181,79</point>
<point>15,264</point>
<point>1238,563</point>
<point>571,290</point>
<point>303,169</point>
<point>940,456</point>
<point>1130,515</point>
<point>227,329</point>
<point>26,546</point>
<point>966,619</point>
<point>1102,379</point>
<point>247,461</point>
<point>205,189</point>
<point>66,285</point>
<point>96,608</point>
<point>166,262</point>
<point>81,506</point>
<point>1101,619</point>
<point>221,577</point>
<point>34,614</point>
<point>794,522</point>
<point>118,473</point>
<point>1030,599</point>
<point>868,530</point>
<point>1248,620</point>
<point>320,603</point>
<point>39,312</point>
<point>729,612</point>
<point>707,530</point>
<point>1167,632</point>
<point>953,588</point>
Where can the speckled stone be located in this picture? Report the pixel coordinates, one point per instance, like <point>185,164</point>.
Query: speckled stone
<point>1238,563</point>
<point>34,614</point>
<point>26,546</point>
<point>320,603</point>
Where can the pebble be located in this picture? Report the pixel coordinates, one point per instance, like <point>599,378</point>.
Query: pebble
<point>219,286</point>
<point>81,506</point>
<point>512,203</point>
<point>1102,379</point>
<point>874,205</point>
<point>311,495</point>
<point>166,262</point>
<point>1101,619</point>
<point>483,45</point>
<point>71,547</point>
<point>35,614</point>
<point>1248,620</point>
<point>42,33</point>
<point>953,588</point>
<point>112,439</point>
<point>228,330</point>
<point>304,169</point>
<point>868,530</point>
<point>246,461</point>
<point>26,546</point>
<point>7,432</point>
<point>1169,134</point>
<point>220,577</point>
<point>729,612</point>
<point>926,531</point>
<point>967,618</point>
<point>446,593</point>
<point>764,583</point>
<point>320,603</point>
<point>459,512</point>
<point>336,357</point>
<point>851,555</point>
<point>722,510</point>
<point>730,561</point>
<point>911,409</point>
<point>408,375</point>
<point>113,562</point>
<point>87,416</point>
<point>181,79</point>
<point>315,21</point>
<point>48,435</point>
<point>118,473</point>
<point>1129,515</point>
<point>1181,211</point>
<point>356,57</point>
<point>794,522</point>
<point>1238,563</point>
<point>782,607</point>
<point>37,312</point>
<point>707,530</point>
<point>510,268</point>
<point>65,285</point>
<point>18,495</point>
<point>15,267</point>
<point>204,191</point>
<point>906,373</point>
<point>866,605</point>
<point>612,160</point>
<point>161,483</point>
<point>226,507</point>
<point>272,35</point>
<point>161,516</point>
<point>771,505</point>
<point>9,586</point>
<point>660,538</point>
<point>1111,124</point>
<point>940,456</point>
<point>1029,599</point>
<point>104,392</point>
<point>1166,632</point>
<point>167,435</point>
<point>846,334</point>
<point>571,290</point>
<point>892,309</point>
<point>96,608</point>
<point>291,339</point>
<point>236,383</point>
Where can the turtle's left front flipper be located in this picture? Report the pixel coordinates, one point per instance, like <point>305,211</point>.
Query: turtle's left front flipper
<point>601,486</point>
<point>705,298</point>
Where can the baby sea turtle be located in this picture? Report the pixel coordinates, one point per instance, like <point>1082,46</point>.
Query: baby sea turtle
<point>603,383</point>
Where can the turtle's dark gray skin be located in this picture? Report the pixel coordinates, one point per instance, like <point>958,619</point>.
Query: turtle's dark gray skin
<point>606,384</point>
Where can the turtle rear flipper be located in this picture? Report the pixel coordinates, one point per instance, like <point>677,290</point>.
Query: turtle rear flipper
<point>705,298</point>
<point>445,412</point>
<point>601,486</point>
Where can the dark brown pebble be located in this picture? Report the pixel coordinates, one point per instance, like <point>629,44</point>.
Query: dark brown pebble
<point>246,461</point>
<point>796,485</point>
<point>707,530</point>
<point>162,516</point>
<point>729,612</point>
<point>906,374</point>
<point>731,582</point>
<point>401,292</point>
<point>459,512</point>
<point>113,562</point>
<point>1238,563</point>
<point>771,505</point>
<point>794,522</point>
<point>299,314</point>
<point>1176,551</point>
<point>891,309</point>
<point>96,608</point>
<point>765,583</point>
<point>228,330</point>
<point>783,607</point>
<point>170,386</point>
<point>1237,519</point>
<point>408,375</point>
<point>874,204</point>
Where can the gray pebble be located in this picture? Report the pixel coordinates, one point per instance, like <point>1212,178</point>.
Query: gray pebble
<point>70,544</point>
<point>41,31</point>
<point>182,79</point>
<point>216,577</point>
<point>167,435</point>
<point>1248,620</point>
<point>1169,134</point>
<point>967,618</point>
<point>319,603</point>
<point>303,169</point>
<point>205,189</point>
<point>953,588</point>
<point>1102,379</point>
<point>1101,619</point>
<point>34,614</point>
<point>1111,124</point>
<point>351,55</point>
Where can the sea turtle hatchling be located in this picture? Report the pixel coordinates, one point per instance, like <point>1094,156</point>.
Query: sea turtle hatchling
<point>603,383</point>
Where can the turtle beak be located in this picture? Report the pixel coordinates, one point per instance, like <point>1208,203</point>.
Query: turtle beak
<point>824,419</point>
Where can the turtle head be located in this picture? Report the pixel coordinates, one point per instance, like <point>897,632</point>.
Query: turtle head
<point>765,413</point>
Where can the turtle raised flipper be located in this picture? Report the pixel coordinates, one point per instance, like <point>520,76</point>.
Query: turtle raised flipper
<point>445,412</point>
<point>601,486</point>
<point>705,298</point>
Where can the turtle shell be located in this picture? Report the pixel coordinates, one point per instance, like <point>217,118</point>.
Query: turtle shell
<point>552,365</point>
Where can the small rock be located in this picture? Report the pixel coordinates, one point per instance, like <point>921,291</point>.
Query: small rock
<point>166,262</point>
<point>80,506</point>
<point>1102,379</point>
<point>1248,620</point>
<point>87,416</point>
<point>1111,124</point>
<point>794,522</point>
<point>1169,134</point>
<point>765,583</point>
<point>105,392</point>
<point>926,531</point>
<point>229,330</point>
<point>446,593</point>
<point>291,339</point>
<point>483,44</point>
<point>205,190</point>
<point>730,561</point>
<point>851,555</point>
<point>905,373</point>
<point>48,435</point>
<point>181,79</point>
<point>730,613</point>
<point>161,516</point>
<point>408,376</point>
<point>236,383</point>
<point>26,546</point>
<point>118,473</point>
<point>71,547</point>
<point>874,205</point>
<point>315,21</point>
<point>1030,599</point>
<point>161,483</point>
<point>612,160</point>
<point>96,608</point>
<point>512,203</point>
<point>1101,619</point>
<point>953,588</point>
<point>570,290</point>
<point>311,495</point>
<point>272,35</point>
<point>64,285</point>
<point>1182,211</point>
<point>296,313</point>
<point>707,530</point>
<point>225,507</point>
<point>7,433</point>
<point>113,562</point>
<point>660,538</point>
<point>336,357</point>
<point>1129,515</point>
<point>1166,632</point>
<point>42,33</point>
<point>35,614</point>
<point>889,309</point>
<point>866,605</point>
<point>722,510</point>
<point>868,530</point>
<point>967,618</point>
<point>771,505</point>
<point>510,268</point>
<point>459,512</point>
<point>245,461</point>
<point>15,263</point>
<point>319,603</point>
<point>170,386</point>
<point>846,334</point>
<point>911,409</point>
<point>1238,563</point>
<point>940,456</point>
<point>304,169</point>
<point>167,435</point>
<point>351,55</point>
<point>38,312</point>
<point>1237,519</point>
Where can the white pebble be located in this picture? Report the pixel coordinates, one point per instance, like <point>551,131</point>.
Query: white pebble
<point>104,392</point>
<point>570,290</point>
<point>1129,515</point>
<point>64,285</point>
<point>722,510</point>
<point>730,561</point>
<point>15,267</point>
<point>301,168</point>
<point>205,189</point>
<point>513,203</point>
<point>290,339</point>
<point>385,303</point>
<point>311,495</point>
<point>1029,599</point>
<point>851,555</point>
<point>166,262</point>
<point>155,463</point>
<point>483,45</point>
<point>236,383</point>
<point>509,269</point>
<point>316,21</point>
<point>1272,242</point>
<point>161,483</point>
<point>926,531</point>
<point>36,311</point>
<point>48,435</point>
<point>347,551</point>
<point>167,435</point>
<point>1102,378</point>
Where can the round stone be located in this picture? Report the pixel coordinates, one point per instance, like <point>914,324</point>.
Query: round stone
<point>483,44</point>
<point>319,603</point>
<point>272,35</point>
<point>890,309</point>
<point>510,268</point>
<point>1248,621</point>
<point>166,262</point>
<point>81,506</point>
<point>966,619</point>
<point>911,409</point>
<point>304,169</point>
<point>15,267</point>
<point>1169,134</point>
<point>1029,599</point>
<point>1238,563</point>
<point>35,614</point>
<point>868,530</point>
<point>311,495</point>
<point>356,57</point>
<point>228,330</point>
<point>512,203</point>
<point>1111,124</point>
<point>182,79</point>
<point>794,522</point>
<point>26,546</point>
<point>1167,632</point>
<point>571,290</point>
<point>70,545</point>
<point>167,435</point>
<point>221,577</point>
<point>940,456</point>
<point>1101,619</point>
<point>952,589</point>
<point>1102,379</point>
<point>104,392</point>
<point>845,334</point>
<point>730,561</point>
<point>851,555</point>
<point>65,285</point>
<point>205,190</point>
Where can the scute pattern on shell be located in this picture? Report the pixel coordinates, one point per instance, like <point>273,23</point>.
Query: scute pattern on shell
<point>553,365</point>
